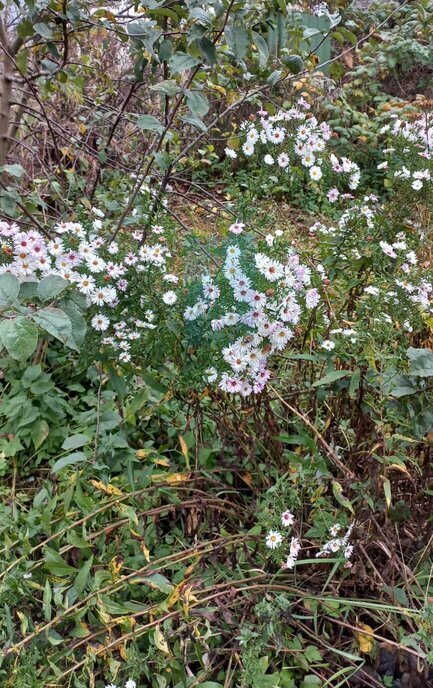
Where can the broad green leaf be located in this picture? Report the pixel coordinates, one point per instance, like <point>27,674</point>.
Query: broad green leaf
<point>149,123</point>
<point>51,286</point>
<point>262,47</point>
<point>169,87</point>
<point>180,62</point>
<point>207,51</point>
<point>9,289</point>
<point>19,337</point>
<point>421,362</point>
<point>195,122</point>
<point>43,30</point>
<point>165,50</point>
<point>13,170</point>
<point>294,63</point>
<point>55,322</point>
<point>79,325</point>
<point>332,377</point>
<point>75,441</point>
<point>40,432</point>
<point>75,457</point>
<point>197,103</point>
<point>238,40</point>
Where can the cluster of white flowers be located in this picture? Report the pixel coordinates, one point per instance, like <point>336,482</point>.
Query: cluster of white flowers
<point>264,316</point>
<point>292,138</point>
<point>100,270</point>
<point>338,544</point>
<point>407,136</point>
<point>274,539</point>
<point>129,684</point>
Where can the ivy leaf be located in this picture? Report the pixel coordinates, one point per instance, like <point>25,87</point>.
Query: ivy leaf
<point>55,322</point>
<point>149,123</point>
<point>19,337</point>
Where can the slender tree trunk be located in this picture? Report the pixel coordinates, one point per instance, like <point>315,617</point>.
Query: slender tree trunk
<point>5,93</point>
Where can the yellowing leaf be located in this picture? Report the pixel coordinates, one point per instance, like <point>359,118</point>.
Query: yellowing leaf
<point>115,566</point>
<point>107,489</point>
<point>146,553</point>
<point>184,449</point>
<point>365,642</point>
<point>171,478</point>
<point>160,641</point>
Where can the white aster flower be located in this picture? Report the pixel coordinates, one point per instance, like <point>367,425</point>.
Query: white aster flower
<point>273,539</point>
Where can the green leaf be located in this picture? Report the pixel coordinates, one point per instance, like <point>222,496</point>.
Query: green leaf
<point>79,326</point>
<point>55,322</point>
<point>40,432</point>
<point>75,441</point>
<point>43,30</point>
<point>238,40</point>
<point>165,50</point>
<point>294,63</point>
<point>75,457</point>
<point>263,49</point>
<point>169,87</point>
<point>195,122</point>
<point>46,600</point>
<point>207,51</point>
<point>149,123</point>
<point>331,377</point>
<point>13,170</point>
<point>9,289</point>
<point>56,564</point>
<point>421,362</point>
<point>81,579</point>
<point>354,383</point>
<point>180,62</point>
<point>19,337</point>
<point>337,491</point>
<point>197,103</point>
<point>51,286</point>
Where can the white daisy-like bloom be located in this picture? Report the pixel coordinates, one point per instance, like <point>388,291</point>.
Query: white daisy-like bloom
<point>98,212</point>
<point>273,539</point>
<point>253,135</point>
<point>174,279</point>
<point>130,684</point>
<point>417,184</point>
<point>248,148</point>
<point>287,519</point>
<point>328,345</point>
<point>169,297</point>
<point>315,173</point>
<point>373,291</point>
<point>334,530</point>
<point>85,284</point>
<point>210,374</point>
<point>268,159</point>
<point>230,153</point>
<point>283,160</point>
<point>237,228</point>
<point>308,160</point>
<point>100,322</point>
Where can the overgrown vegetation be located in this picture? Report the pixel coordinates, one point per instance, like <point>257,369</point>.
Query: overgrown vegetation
<point>216,334</point>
